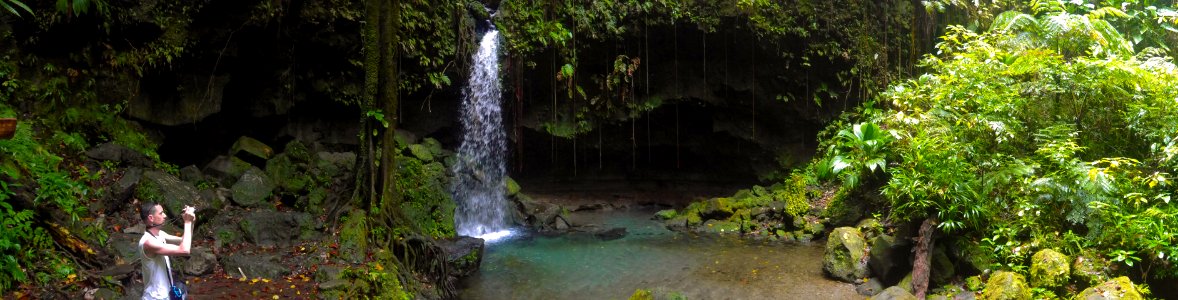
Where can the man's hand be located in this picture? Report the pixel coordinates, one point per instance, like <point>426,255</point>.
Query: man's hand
<point>189,214</point>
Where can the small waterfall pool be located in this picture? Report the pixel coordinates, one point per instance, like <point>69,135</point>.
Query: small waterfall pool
<point>581,266</point>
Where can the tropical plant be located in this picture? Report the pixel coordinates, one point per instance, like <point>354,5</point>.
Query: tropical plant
<point>12,5</point>
<point>1050,125</point>
<point>860,150</point>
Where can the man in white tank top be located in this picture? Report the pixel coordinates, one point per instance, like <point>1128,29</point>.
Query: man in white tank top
<point>156,245</point>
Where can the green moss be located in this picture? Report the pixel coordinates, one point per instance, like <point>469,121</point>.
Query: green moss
<point>1049,269</point>
<point>1006,285</point>
<point>974,283</point>
<point>1118,288</point>
<point>665,214</point>
<point>427,203</point>
<point>642,294</point>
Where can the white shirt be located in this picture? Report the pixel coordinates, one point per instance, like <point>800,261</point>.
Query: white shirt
<point>155,270</point>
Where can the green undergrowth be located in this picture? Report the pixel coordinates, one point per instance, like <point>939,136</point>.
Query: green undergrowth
<point>1051,130</point>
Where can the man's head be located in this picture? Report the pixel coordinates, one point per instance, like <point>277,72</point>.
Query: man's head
<point>152,214</point>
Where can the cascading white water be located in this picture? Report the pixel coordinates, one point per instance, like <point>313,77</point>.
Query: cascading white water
<point>479,186</point>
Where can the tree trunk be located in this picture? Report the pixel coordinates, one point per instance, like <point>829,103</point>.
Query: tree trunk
<point>920,267</point>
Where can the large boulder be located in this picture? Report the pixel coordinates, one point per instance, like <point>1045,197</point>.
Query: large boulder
<point>464,255</point>
<point>118,194</point>
<point>1090,268</point>
<point>200,262</point>
<point>421,152</point>
<point>272,228</point>
<point>1049,269</point>
<point>226,169</point>
<point>332,164</point>
<point>287,175</point>
<point>844,257</point>
<point>1120,288</point>
<point>251,149</point>
<point>885,258</point>
<point>253,189</point>
<point>1005,285</point>
<point>541,216</point>
<point>941,268</point>
<point>169,191</point>
<point>120,154</point>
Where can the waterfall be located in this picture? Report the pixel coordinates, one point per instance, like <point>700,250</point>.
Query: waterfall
<point>479,186</point>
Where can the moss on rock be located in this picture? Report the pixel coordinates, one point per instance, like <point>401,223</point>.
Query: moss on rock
<point>1005,285</point>
<point>1049,269</point>
<point>1118,288</point>
<point>844,255</point>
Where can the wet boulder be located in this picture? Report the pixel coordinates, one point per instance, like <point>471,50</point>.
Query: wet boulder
<point>844,257</point>
<point>511,186</point>
<point>464,254</point>
<point>1049,269</point>
<point>1120,288</point>
<point>1006,285</point>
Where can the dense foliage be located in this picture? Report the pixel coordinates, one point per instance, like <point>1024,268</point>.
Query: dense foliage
<point>1052,129</point>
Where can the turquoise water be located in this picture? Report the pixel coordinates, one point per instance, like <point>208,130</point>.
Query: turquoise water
<point>581,266</point>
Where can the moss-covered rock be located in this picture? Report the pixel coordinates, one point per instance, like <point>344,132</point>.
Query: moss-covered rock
<point>973,258</point>
<point>226,169</point>
<point>974,283</point>
<point>421,152</point>
<point>1118,288</point>
<point>844,255</point>
<point>427,202</point>
<point>642,294</point>
<point>942,269</point>
<point>1090,268</point>
<point>665,214</point>
<point>1049,269</point>
<point>511,186</point>
<point>252,147</point>
<point>894,293</point>
<point>717,226</point>
<point>253,189</point>
<point>286,175</point>
<point>1005,285</point>
<point>298,151</point>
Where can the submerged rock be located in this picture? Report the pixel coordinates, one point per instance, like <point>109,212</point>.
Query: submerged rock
<point>611,234</point>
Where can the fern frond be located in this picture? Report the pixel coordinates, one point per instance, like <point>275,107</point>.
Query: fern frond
<point>1105,12</point>
<point>1014,21</point>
